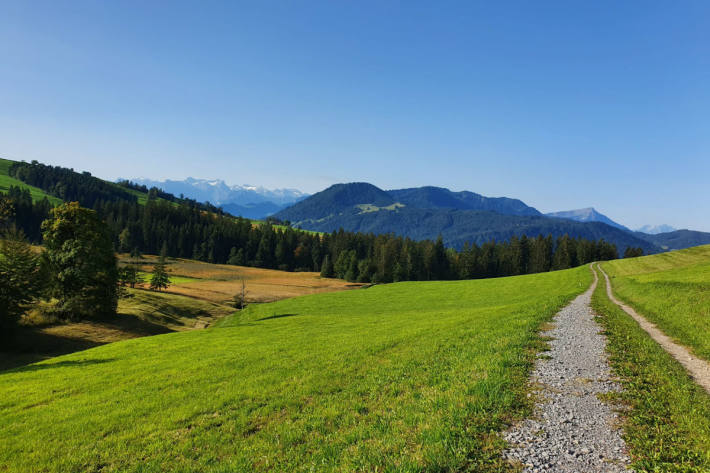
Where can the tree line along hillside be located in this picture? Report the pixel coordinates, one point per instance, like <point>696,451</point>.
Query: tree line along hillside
<point>72,186</point>
<point>186,229</point>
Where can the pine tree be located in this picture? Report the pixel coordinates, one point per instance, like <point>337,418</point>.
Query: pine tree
<point>327,270</point>
<point>160,279</point>
<point>20,278</point>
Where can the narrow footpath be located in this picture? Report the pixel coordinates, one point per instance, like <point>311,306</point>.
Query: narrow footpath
<point>572,430</point>
<point>698,368</point>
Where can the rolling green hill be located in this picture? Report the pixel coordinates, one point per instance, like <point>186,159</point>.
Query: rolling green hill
<point>413,376</point>
<point>667,414</point>
<point>671,290</point>
<point>6,181</point>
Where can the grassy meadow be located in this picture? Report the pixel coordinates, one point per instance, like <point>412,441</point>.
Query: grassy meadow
<point>671,290</point>
<point>415,376</point>
<point>667,415</point>
<point>218,283</point>
<point>142,314</point>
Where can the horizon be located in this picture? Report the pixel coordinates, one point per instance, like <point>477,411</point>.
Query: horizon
<point>561,106</point>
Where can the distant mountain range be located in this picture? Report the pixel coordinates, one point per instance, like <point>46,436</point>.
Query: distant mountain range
<point>426,212</point>
<point>664,237</point>
<point>422,213</point>
<point>586,215</point>
<point>241,200</point>
<point>656,229</point>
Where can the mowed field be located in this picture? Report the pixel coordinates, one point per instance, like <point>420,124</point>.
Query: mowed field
<point>671,290</point>
<point>415,376</point>
<point>219,283</point>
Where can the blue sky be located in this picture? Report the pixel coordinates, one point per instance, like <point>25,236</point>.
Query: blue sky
<point>561,104</point>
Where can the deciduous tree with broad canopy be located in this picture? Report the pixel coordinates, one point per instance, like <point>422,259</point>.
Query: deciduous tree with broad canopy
<point>80,255</point>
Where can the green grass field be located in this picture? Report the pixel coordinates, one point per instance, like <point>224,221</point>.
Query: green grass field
<point>670,289</point>
<point>6,181</point>
<point>416,376</point>
<point>667,423</point>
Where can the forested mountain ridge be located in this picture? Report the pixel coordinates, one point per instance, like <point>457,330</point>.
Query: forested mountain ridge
<point>138,220</point>
<point>428,212</point>
<point>429,197</point>
<point>678,239</point>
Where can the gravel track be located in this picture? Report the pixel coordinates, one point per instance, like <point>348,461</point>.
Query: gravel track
<point>571,430</point>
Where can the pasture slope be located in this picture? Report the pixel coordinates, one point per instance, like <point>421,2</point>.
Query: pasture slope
<point>6,181</point>
<point>671,290</point>
<point>200,293</point>
<point>219,283</point>
<point>667,422</point>
<point>415,376</point>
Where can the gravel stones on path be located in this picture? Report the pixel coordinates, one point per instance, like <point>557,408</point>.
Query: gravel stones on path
<point>572,430</point>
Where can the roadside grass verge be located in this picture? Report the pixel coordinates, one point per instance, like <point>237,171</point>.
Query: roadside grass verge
<point>408,377</point>
<point>671,290</point>
<point>667,425</point>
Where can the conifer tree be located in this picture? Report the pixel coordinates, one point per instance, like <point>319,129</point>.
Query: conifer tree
<point>160,279</point>
<point>327,270</point>
<point>20,278</point>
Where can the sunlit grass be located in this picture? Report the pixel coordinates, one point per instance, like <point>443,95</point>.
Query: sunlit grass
<point>667,422</point>
<point>670,289</point>
<point>6,182</point>
<point>415,376</point>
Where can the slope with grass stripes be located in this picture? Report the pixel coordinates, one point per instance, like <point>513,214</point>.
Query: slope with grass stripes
<point>403,377</point>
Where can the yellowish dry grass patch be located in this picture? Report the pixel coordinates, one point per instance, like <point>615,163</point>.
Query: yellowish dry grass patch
<point>219,283</point>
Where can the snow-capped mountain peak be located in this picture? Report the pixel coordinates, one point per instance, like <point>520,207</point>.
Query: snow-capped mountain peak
<point>656,229</point>
<point>246,199</point>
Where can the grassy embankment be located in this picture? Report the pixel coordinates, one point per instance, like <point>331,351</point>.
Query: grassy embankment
<point>667,423</point>
<point>415,376</point>
<point>671,290</point>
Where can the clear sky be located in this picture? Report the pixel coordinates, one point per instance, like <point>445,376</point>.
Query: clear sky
<point>562,104</point>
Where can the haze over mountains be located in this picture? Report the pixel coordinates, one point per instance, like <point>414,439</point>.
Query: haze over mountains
<point>244,200</point>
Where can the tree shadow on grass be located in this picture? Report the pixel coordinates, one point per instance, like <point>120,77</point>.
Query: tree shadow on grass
<point>32,344</point>
<point>59,364</point>
<point>276,316</point>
